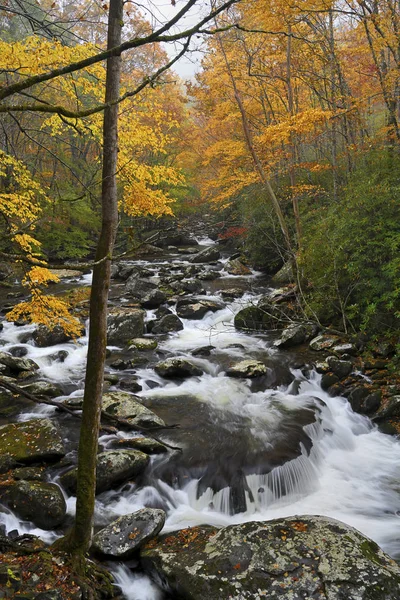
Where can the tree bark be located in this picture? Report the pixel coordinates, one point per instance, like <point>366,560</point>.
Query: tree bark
<point>80,537</point>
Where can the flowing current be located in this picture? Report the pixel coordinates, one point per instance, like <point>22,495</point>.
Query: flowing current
<point>251,451</point>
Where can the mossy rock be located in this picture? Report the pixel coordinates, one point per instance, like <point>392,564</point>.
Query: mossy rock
<point>32,441</point>
<point>253,318</point>
<point>297,557</point>
<point>37,501</point>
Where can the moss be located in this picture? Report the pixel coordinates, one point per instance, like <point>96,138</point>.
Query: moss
<point>370,550</point>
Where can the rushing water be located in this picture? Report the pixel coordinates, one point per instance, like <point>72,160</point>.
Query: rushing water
<point>271,449</point>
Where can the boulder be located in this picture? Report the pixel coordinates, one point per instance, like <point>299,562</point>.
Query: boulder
<point>18,351</point>
<point>253,318</point>
<point>324,342</point>
<point>188,286</point>
<point>37,501</point>
<point>232,293</point>
<point>392,409</point>
<point>153,299</point>
<point>12,405</point>
<point>146,445</point>
<point>43,336</point>
<point>138,287</point>
<point>206,256</point>
<point>43,389</point>
<point>32,441</point>
<point>197,310</point>
<point>129,407</point>
<point>122,538</point>
<point>177,367</point>
<point>247,368</point>
<point>130,385</point>
<point>341,349</point>
<point>284,275</point>
<point>297,557</point>
<point>294,335</point>
<point>124,324</point>
<point>113,468</point>
<point>167,324</point>
<point>341,368</point>
<point>17,365</point>
<point>236,267</point>
<point>143,344</point>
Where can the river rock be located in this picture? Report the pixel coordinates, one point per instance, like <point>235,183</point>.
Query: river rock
<point>247,368</point>
<point>197,310</point>
<point>153,299</point>
<point>129,407</point>
<point>177,367</point>
<point>293,558</point>
<point>205,256</point>
<point>124,324</point>
<point>138,287</point>
<point>113,468</point>
<point>17,365</point>
<point>209,275</point>
<point>236,267</point>
<point>167,324</point>
<point>341,368</point>
<point>232,293</point>
<point>12,405</point>
<point>43,389</point>
<point>130,384</point>
<point>188,286</point>
<point>122,538</point>
<point>294,335</point>
<point>18,351</point>
<point>37,501</point>
<point>392,409</point>
<point>341,349</point>
<point>143,344</point>
<point>324,342</point>
<point>32,441</point>
<point>284,275</point>
<point>253,318</point>
<point>43,336</point>
<point>146,445</point>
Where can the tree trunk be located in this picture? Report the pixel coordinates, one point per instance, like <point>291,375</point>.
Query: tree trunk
<point>80,537</point>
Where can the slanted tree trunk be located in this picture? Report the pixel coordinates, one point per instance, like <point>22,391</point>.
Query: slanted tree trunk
<point>79,539</point>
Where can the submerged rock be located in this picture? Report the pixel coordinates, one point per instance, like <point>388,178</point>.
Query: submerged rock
<point>297,557</point>
<point>125,535</point>
<point>177,367</point>
<point>32,441</point>
<point>130,408</point>
<point>113,467</point>
<point>37,501</point>
<point>247,368</point>
<point>124,324</point>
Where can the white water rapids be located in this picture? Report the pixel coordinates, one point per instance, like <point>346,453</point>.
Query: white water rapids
<point>352,472</point>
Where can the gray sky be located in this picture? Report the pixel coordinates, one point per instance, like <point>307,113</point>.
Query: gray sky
<point>159,11</point>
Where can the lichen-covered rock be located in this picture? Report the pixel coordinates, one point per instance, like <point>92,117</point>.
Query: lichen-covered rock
<point>236,267</point>
<point>167,324</point>
<point>247,368</point>
<point>31,441</point>
<point>126,406</point>
<point>37,501</point>
<point>16,365</point>
<point>295,335</point>
<point>341,368</point>
<point>124,324</point>
<point>323,342</point>
<point>284,275</point>
<point>153,299</point>
<point>43,389</point>
<point>177,367</point>
<point>292,558</point>
<point>122,538</point>
<point>143,344</point>
<point>204,256</point>
<point>113,467</point>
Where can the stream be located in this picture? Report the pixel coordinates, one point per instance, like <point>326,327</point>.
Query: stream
<point>253,449</point>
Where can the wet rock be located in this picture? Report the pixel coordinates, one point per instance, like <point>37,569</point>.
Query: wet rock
<point>232,293</point>
<point>177,367</point>
<point>167,324</point>
<point>124,324</point>
<point>205,256</point>
<point>328,379</point>
<point>297,557</point>
<point>18,351</point>
<point>203,351</point>
<point>341,368</point>
<point>153,299</point>
<point>247,368</point>
<point>43,389</point>
<point>392,409</point>
<point>341,349</point>
<point>122,538</point>
<point>138,287</point>
<point>29,473</point>
<point>236,267</point>
<point>6,463</point>
<point>12,405</point>
<point>126,406</point>
<point>32,441</point>
<point>146,445</point>
<point>144,344</point>
<point>43,336</point>
<point>59,356</point>
<point>323,342</point>
<point>120,364</point>
<point>130,385</point>
<point>113,467</point>
<point>356,397</point>
<point>188,286</point>
<point>16,365</point>
<point>253,318</point>
<point>295,335</point>
<point>372,402</point>
<point>147,250</point>
<point>209,275</point>
<point>37,501</point>
<point>197,310</point>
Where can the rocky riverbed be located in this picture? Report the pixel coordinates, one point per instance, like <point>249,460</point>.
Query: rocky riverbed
<point>221,427</point>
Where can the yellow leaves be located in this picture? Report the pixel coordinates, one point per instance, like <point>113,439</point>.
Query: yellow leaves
<point>40,276</point>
